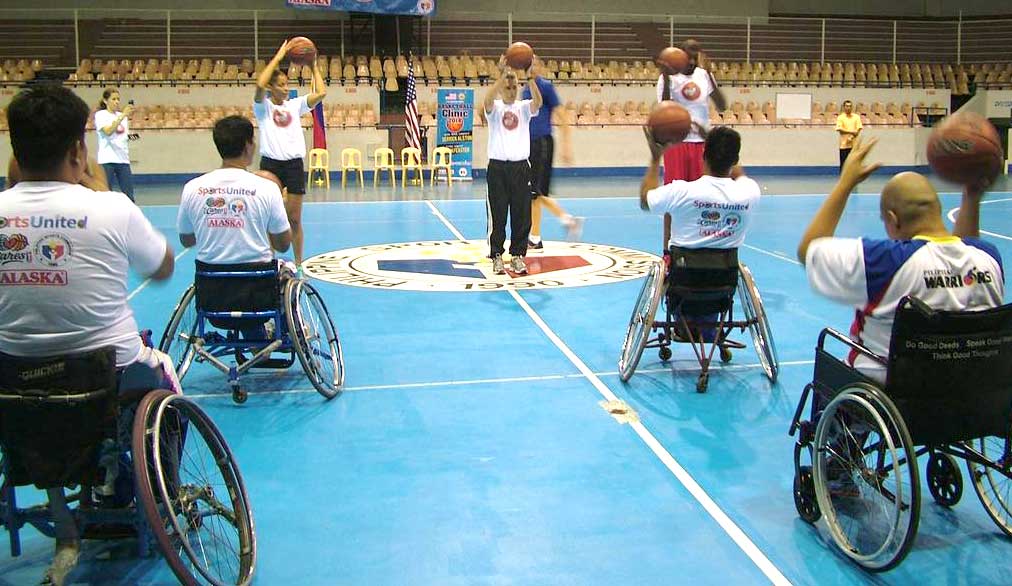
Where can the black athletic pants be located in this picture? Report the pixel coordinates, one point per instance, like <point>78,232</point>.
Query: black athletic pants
<point>509,192</point>
<point>844,153</point>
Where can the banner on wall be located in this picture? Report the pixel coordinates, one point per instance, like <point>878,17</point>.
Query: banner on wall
<point>455,128</point>
<point>411,7</point>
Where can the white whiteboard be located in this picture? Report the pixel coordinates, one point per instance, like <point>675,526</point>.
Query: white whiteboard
<point>794,106</point>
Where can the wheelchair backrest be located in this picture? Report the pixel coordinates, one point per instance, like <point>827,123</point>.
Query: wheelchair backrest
<point>703,280</point>
<point>237,287</point>
<point>54,414</point>
<point>950,372</point>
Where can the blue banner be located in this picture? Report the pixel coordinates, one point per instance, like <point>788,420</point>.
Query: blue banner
<point>455,127</point>
<point>413,7</point>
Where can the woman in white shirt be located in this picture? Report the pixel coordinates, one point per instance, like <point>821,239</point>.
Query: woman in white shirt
<point>113,129</point>
<point>282,142</point>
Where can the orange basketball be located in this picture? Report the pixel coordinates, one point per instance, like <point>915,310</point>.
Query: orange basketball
<point>669,122</point>
<point>519,56</point>
<point>301,51</point>
<point>673,60</point>
<point>965,148</point>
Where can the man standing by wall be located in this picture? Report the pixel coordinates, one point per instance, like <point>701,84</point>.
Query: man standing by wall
<point>848,126</point>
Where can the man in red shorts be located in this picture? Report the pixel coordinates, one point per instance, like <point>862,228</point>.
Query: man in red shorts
<point>691,89</point>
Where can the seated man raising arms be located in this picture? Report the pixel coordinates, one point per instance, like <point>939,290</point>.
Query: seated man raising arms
<point>920,257</point>
<point>714,211</point>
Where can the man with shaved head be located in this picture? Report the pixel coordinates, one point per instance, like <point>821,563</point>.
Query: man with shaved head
<point>947,270</point>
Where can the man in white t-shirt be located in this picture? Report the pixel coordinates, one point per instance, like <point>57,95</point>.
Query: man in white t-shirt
<point>714,211</point>
<point>65,255</point>
<point>509,172</point>
<point>232,216</point>
<point>948,271</point>
<point>693,89</point>
<point>282,143</point>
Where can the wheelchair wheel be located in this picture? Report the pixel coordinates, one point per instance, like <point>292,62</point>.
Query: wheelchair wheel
<point>314,337</point>
<point>945,483</point>
<point>866,479</point>
<point>192,493</point>
<point>642,321</point>
<point>176,340</point>
<point>993,484</point>
<point>755,314</point>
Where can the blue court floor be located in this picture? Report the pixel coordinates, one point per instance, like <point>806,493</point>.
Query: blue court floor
<point>470,448</point>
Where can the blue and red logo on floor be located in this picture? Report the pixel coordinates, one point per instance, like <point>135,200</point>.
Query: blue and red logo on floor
<point>462,265</point>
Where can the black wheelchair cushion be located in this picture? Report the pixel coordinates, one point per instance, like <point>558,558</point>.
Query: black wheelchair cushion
<point>702,281</point>
<point>260,293</point>
<point>950,373</point>
<point>54,414</point>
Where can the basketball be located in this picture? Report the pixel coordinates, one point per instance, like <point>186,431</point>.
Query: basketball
<point>301,51</point>
<point>673,60</point>
<point>669,122</point>
<point>965,148</point>
<point>519,56</point>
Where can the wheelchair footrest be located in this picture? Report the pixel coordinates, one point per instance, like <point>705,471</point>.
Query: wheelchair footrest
<point>105,531</point>
<point>278,363</point>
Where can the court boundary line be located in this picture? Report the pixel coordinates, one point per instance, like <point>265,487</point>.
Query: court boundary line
<point>147,281</point>
<point>952,217</point>
<point>747,546</point>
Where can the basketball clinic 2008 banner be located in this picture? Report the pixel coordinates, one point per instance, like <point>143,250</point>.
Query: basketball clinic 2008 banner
<point>415,7</point>
<point>455,127</point>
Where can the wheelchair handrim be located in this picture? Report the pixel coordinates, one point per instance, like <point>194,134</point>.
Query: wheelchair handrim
<point>759,327</point>
<point>170,338</point>
<point>225,463</point>
<point>828,508</point>
<point>641,322</point>
<point>310,351</point>
<point>998,508</point>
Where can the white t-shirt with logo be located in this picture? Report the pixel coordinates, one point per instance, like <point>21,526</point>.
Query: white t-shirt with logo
<point>509,135</point>
<point>65,251</point>
<point>281,135</point>
<point>231,212</point>
<point>874,275</point>
<point>692,92</point>
<point>112,148</point>
<point>710,212</point>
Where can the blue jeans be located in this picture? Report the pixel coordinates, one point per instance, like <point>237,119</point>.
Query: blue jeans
<point>124,178</point>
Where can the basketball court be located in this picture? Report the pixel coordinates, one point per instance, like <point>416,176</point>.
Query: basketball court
<point>470,444</point>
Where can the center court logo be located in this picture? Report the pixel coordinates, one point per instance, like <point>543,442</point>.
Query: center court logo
<point>461,265</point>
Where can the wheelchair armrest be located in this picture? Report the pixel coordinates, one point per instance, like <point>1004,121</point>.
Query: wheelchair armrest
<point>851,344</point>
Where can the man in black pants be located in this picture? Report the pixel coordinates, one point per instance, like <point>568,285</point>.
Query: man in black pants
<point>509,173</point>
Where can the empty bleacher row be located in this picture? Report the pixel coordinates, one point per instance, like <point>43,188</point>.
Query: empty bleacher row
<point>387,71</point>
<point>363,115</point>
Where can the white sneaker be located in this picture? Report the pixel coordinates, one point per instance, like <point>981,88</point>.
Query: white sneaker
<point>497,265</point>
<point>574,228</point>
<point>518,266</point>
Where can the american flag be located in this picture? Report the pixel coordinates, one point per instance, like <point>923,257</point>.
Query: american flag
<point>411,131</point>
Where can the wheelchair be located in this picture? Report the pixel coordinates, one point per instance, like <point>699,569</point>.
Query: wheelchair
<point>947,395</point>
<point>177,485</point>
<point>227,300</point>
<point>701,283</point>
